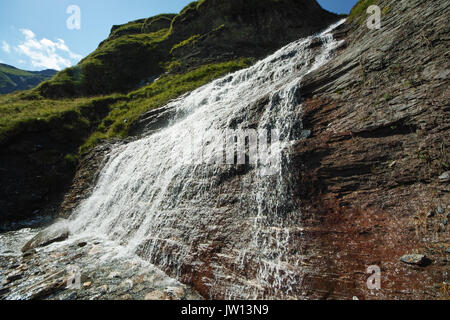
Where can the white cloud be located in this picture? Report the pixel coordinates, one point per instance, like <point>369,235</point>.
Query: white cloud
<point>6,47</point>
<point>28,33</point>
<point>46,53</point>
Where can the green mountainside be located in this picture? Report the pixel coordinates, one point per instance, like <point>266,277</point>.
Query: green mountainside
<point>13,79</point>
<point>207,31</point>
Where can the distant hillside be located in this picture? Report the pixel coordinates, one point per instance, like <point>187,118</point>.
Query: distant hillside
<point>13,79</point>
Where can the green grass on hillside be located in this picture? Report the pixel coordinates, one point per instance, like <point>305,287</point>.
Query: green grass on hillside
<point>116,66</point>
<point>28,112</point>
<point>100,117</point>
<point>132,27</point>
<point>14,71</point>
<point>185,42</point>
<point>360,9</point>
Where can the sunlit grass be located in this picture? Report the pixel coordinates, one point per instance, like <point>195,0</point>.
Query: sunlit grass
<point>360,9</point>
<point>30,112</point>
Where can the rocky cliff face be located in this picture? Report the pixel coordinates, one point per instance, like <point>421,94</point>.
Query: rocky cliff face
<point>373,170</point>
<point>220,29</point>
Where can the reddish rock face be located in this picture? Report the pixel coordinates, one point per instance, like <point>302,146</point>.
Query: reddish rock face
<point>369,174</point>
<point>351,230</point>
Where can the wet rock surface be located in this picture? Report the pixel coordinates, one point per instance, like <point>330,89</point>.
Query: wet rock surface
<point>46,237</point>
<point>69,271</point>
<point>445,177</point>
<point>85,177</point>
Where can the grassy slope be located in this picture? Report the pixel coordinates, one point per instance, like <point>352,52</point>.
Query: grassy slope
<point>360,9</point>
<point>116,65</point>
<point>28,111</point>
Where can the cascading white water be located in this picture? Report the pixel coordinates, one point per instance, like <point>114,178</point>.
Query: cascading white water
<point>233,227</point>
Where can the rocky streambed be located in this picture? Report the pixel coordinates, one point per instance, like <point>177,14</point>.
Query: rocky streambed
<point>79,268</point>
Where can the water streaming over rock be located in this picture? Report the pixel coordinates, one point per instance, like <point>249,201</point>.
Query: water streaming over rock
<point>224,228</point>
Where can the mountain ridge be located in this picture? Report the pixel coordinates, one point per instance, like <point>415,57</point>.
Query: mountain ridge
<point>210,31</point>
<point>14,79</point>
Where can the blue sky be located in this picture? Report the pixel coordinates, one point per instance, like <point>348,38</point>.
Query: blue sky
<point>34,33</point>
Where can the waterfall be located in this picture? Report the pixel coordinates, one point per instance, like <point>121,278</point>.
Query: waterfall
<point>228,226</point>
